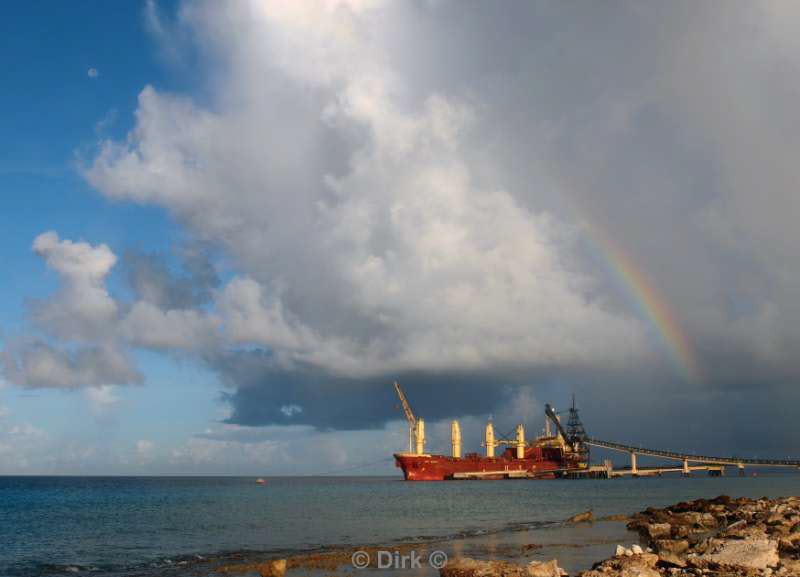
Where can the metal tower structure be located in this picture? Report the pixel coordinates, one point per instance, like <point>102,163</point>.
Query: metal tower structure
<point>576,434</point>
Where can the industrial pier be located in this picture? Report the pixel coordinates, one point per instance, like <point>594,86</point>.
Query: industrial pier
<point>563,453</point>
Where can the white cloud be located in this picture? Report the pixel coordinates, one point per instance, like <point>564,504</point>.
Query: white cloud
<point>392,257</point>
<point>101,398</point>
<point>37,364</point>
<point>150,327</point>
<point>145,450</point>
<point>21,447</point>
<point>82,309</point>
<point>290,410</point>
<point>91,331</point>
<point>92,73</point>
<point>386,206</point>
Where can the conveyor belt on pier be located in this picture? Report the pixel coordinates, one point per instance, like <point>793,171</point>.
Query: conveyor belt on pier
<point>691,458</point>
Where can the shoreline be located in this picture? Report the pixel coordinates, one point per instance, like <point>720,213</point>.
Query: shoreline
<point>722,537</point>
<point>578,545</point>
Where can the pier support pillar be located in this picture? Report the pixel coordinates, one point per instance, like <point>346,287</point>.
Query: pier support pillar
<point>634,470</point>
<point>686,471</point>
<point>741,470</point>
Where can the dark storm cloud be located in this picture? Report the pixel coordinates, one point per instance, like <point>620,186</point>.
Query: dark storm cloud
<point>744,416</point>
<point>261,391</point>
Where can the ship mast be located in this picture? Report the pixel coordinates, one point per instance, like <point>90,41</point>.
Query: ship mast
<point>412,420</point>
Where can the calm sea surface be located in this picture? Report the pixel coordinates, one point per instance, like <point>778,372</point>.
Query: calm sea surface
<point>145,526</point>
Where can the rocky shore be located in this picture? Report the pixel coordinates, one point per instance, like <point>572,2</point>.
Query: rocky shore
<point>720,537</point>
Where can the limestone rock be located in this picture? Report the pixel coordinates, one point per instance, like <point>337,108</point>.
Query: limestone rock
<point>467,567</point>
<point>273,568</point>
<point>775,519</point>
<point>753,554</point>
<point>616,517</point>
<point>680,531</point>
<point>671,559</point>
<point>643,565</point>
<point>677,546</point>
<point>545,569</point>
<point>584,517</point>
<point>789,567</point>
<point>658,530</point>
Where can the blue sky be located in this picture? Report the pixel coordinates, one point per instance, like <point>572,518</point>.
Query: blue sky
<point>229,227</point>
<point>59,113</point>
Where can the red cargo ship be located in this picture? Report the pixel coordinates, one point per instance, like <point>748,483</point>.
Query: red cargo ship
<point>547,457</point>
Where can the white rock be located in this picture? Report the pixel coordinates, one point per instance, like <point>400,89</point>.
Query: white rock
<point>620,551</point>
<point>754,554</point>
<point>636,549</point>
<point>628,553</point>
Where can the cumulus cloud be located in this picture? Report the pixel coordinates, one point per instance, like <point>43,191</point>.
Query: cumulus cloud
<point>83,308</point>
<point>150,327</point>
<point>441,208</point>
<point>94,331</point>
<point>20,445</point>
<point>443,211</point>
<point>101,398</point>
<point>37,364</point>
<point>390,257</point>
<point>93,73</point>
<point>152,280</point>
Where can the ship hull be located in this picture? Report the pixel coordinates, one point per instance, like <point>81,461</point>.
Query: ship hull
<point>536,464</point>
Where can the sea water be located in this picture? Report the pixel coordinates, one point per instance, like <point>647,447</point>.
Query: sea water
<point>150,525</point>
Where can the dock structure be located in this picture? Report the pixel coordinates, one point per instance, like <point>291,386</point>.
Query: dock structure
<point>714,465</point>
<point>607,471</point>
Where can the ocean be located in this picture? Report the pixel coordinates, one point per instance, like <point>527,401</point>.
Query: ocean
<point>154,526</point>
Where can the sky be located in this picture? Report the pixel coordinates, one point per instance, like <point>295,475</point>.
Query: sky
<point>229,227</point>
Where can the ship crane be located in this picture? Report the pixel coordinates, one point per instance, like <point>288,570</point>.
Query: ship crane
<point>412,420</point>
<point>551,414</point>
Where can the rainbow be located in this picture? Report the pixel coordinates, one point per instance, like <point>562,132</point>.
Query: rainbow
<point>650,303</point>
